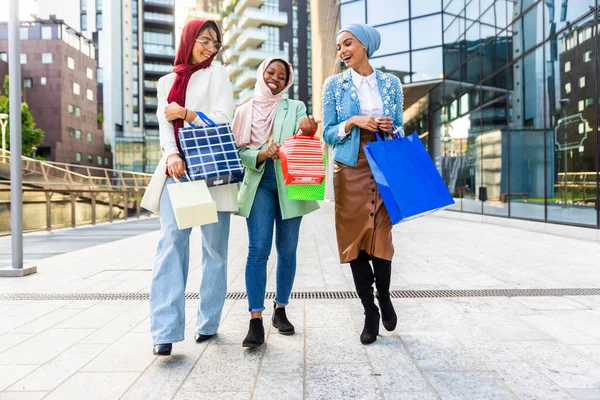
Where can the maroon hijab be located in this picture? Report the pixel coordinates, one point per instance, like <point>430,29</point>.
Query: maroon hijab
<point>184,68</point>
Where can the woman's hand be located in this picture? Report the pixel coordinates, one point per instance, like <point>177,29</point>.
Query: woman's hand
<point>308,125</point>
<point>175,166</point>
<point>364,122</point>
<point>386,124</point>
<point>174,111</point>
<point>270,152</point>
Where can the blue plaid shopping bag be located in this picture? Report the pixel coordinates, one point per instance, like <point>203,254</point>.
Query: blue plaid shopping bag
<point>409,183</point>
<point>211,153</point>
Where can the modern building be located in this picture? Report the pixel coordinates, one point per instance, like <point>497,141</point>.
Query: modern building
<point>255,30</point>
<point>136,45</point>
<point>58,71</point>
<point>504,94</point>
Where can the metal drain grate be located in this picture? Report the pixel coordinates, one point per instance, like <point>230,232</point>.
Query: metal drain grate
<point>340,295</point>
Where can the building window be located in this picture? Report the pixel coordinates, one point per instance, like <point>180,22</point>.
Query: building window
<point>90,158</point>
<point>587,57</point>
<point>582,82</point>
<point>89,137</point>
<point>71,63</point>
<point>76,88</point>
<point>46,32</point>
<point>90,73</point>
<point>70,108</point>
<point>98,5</point>
<point>77,134</point>
<point>581,106</point>
<point>4,57</point>
<point>589,102</point>
<point>24,33</point>
<point>43,80</point>
<point>99,75</point>
<point>106,161</point>
<point>567,66</point>
<point>99,160</point>
<point>27,82</point>
<point>78,111</point>
<point>78,157</point>
<point>46,58</point>
<point>23,58</point>
<point>568,88</point>
<point>99,21</point>
<point>71,132</point>
<point>83,21</point>
<point>90,95</point>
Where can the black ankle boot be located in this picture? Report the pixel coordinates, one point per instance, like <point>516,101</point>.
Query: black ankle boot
<point>371,329</point>
<point>280,321</point>
<point>256,334</point>
<point>162,349</point>
<point>388,314</point>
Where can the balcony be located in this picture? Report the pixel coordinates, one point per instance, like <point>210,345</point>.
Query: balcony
<point>253,17</point>
<point>251,37</point>
<point>247,79</point>
<point>253,58</point>
<point>230,36</point>
<point>245,95</point>
<point>159,5</point>
<point>159,51</point>
<point>227,4</point>
<point>236,90</point>
<point>159,20</point>
<point>242,5</point>
<point>234,70</point>
<point>231,55</point>
<point>229,21</point>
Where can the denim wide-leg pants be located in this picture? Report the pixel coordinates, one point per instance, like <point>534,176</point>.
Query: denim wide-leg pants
<point>171,265</point>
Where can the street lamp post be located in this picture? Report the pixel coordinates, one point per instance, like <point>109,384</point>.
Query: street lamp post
<point>16,169</point>
<point>3,124</point>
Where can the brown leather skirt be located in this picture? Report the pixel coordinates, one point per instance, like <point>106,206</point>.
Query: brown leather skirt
<point>361,219</point>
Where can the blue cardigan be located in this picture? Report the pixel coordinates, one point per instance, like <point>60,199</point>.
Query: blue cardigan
<point>340,102</point>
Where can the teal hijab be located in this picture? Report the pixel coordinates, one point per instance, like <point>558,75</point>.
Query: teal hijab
<point>366,34</point>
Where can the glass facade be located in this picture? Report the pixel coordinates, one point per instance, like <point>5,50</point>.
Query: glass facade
<point>504,95</point>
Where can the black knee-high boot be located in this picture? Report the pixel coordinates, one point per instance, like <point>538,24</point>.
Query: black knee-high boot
<point>383,274</point>
<point>363,281</point>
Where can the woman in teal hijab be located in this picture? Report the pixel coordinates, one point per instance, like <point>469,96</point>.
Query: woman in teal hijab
<point>356,104</point>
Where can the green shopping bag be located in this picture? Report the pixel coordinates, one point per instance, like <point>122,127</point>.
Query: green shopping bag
<point>308,192</point>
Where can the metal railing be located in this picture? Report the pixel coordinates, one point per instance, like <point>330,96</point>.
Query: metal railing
<point>59,194</point>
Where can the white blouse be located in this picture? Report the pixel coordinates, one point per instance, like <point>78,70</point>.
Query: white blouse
<point>369,98</point>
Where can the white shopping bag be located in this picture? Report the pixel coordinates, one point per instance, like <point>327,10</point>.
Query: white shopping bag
<point>192,204</point>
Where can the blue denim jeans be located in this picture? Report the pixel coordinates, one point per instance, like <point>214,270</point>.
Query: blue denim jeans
<point>171,265</point>
<point>266,213</point>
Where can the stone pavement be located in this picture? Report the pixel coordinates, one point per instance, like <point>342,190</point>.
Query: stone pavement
<point>450,348</point>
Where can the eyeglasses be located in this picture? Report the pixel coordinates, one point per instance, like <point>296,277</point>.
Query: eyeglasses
<point>209,44</point>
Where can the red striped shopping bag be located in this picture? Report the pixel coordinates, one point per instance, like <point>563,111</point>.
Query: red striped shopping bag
<point>301,159</point>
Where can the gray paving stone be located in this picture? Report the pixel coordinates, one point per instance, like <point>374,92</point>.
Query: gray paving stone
<point>586,394</point>
<point>551,392</point>
<point>9,374</point>
<point>22,395</point>
<point>94,317</point>
<point>275,385</point>
<point>46,321</point>
<point>54,372</point>
<point>340,344</point>
<point>560,331</point>
<point>549,303</point>
<point>94,386</point>
<point>42,348</point>
<point>341,381</point>
<point>224,368</point>
<point>113,330</point>
<point>468,385</point>
<point>439,352</point>
<point>213,396</point>
<point>430,395</point>
<point>132,352</point>
<point>328,315</point>
<point>9,340</point>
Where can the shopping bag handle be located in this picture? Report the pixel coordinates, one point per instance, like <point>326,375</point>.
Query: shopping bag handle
<point>187,176</point>
<point>205,119</point>
<point>397,133</point>
<point>311,135</point>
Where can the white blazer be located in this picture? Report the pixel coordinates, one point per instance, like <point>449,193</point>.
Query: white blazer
<point>209,90</point>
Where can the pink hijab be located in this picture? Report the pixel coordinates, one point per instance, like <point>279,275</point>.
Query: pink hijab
<point>254,120</point>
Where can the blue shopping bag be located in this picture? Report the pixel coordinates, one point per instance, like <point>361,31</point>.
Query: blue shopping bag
<point>409,183</point>
<point>211,153</point>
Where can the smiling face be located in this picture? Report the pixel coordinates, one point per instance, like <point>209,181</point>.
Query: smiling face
<point>204,45</point>
<point>276,76</point>
<point>350,50</point>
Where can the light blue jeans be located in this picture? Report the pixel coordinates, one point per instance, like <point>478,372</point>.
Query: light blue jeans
<point>171,265</point>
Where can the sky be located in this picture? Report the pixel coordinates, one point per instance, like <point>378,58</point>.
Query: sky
<point>26,8</point>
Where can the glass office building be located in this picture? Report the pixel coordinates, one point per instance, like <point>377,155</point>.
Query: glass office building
<point>503,94</point>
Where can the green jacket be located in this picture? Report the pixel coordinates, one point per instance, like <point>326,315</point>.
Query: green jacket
<point>289,114</point>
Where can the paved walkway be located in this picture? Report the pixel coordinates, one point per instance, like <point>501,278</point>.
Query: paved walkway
<point>448,348</point>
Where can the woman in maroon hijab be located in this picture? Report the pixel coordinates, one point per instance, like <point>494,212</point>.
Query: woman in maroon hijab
<point>195,85</point>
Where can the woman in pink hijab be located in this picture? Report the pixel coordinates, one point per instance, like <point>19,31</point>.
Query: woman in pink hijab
<point>260,126</point>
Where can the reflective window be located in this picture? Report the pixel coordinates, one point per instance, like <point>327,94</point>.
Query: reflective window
<point>398,65</point>
<point>46,32</point>
<point>352,13</point>
<point>420,7</point>
<point>384,11</point>
<point>432,25</point>
<point>427,64</point>
<point>394,38</point>
<point>454,6</point>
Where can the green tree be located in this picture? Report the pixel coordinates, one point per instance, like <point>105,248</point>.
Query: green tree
<point>31,136</point>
